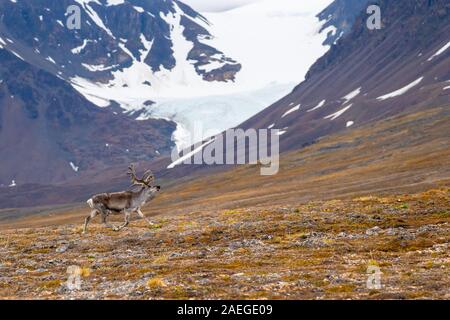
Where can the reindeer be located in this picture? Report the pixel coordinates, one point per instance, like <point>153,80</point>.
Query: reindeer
<point>125,202</point>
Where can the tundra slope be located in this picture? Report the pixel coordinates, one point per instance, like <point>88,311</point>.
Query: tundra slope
<point>376,196</point>
<point>312,250</point>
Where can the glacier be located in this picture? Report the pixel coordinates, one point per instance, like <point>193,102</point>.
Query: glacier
<point>275,41</point>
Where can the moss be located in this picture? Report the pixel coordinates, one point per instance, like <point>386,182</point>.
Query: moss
<point>162,259</point>
<point>51,284</point>
<point>417,294</point>
<point>345,288</point>
<point>40,251</point>
<point>156,283</point>
<point>231,212</point>
<point>178,292</point>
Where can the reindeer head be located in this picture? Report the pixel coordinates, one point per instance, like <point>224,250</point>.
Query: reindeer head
<point>145,182</point>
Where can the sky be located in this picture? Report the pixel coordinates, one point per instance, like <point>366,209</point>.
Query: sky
<point>216,5</point>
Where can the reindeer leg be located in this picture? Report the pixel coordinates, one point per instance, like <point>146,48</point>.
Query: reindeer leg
<point>140,214</point>
<point>105,215</point>
<point>127,221</point>
<point>91,216</point>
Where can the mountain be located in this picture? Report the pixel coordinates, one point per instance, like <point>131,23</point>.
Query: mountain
<point>339,17</point>
<point>50,134</point>
<point>77,106</point>
<point>113,36</point>
<point>366,77</point>
<point>369,75</point>
<point>128,53</point>
<point>162,59</point>
<point>44,66</point>
<point>141,60</point>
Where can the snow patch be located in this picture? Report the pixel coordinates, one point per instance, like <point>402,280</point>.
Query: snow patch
<point>17,55</point>
<point>336,115</point>
<point>50,59</point>
<point>351,95</point>
<point>291,110</point>
<point>440,51</point>
<point>189,155</point>
<point>98,68</point>
<point>401,91</point>
<point>74,167</point>
<point>78,49</point>
<point>114,2</point>
<point>320,105</point>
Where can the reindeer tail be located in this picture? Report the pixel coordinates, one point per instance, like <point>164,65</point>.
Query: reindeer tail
<point>90,203</point>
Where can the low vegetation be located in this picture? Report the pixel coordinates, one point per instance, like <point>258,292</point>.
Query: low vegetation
<point>312,250</point>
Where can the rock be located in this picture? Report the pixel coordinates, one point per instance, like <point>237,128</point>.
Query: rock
<point>245,244</point>
<point>392,231</point>
<point>373,231</point>
<point>175,255</point>
<point>62,289</point>
<point>21,271</point>
<point>407,236</point>
<point>63,248</point>
<point>427,228</point>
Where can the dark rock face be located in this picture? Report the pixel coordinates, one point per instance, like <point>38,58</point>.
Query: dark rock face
<point>401,58</point>
<point>341,14</point>
<point>111,37</point>
<point>45,125</point>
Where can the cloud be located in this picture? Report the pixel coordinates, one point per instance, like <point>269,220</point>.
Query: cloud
<point>216,5</point>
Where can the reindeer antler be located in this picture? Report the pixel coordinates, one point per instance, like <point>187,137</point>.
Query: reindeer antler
<point>134,179</point>
<point>147,178</point>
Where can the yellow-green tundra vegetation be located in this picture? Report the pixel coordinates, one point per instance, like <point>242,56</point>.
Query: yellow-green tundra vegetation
<point>312,250</point>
